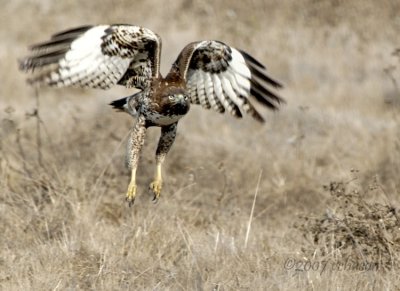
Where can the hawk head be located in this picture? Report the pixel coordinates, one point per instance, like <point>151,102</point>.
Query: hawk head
<point>174,101</point>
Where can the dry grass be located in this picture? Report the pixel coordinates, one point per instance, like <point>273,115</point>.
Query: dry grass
<point>353,229</point>
<point>64,223</point>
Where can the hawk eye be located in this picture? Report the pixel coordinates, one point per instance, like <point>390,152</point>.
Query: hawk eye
<point>171,97</point>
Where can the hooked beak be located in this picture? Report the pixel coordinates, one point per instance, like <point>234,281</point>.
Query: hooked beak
<point>184,99</point>
<point>183,103</point>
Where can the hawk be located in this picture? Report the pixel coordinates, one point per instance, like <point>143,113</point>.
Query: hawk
<point>209,73</point>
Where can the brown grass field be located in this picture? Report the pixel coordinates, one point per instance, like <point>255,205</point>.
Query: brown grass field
<point>325,167</point>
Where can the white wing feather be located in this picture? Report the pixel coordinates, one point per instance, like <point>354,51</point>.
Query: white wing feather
<point>97,57</point>
<point>229,76</point>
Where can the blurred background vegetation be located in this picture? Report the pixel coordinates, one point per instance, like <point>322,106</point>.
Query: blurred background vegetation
<point>64,223</point>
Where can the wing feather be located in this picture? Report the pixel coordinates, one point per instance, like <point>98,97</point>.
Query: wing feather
<point>201,92</point>
<point>192,88</point>
<point>219,92</point>
<point>231,98</point>
<point>232,77</point>
<point>214,101</point>
<point>96,56</point>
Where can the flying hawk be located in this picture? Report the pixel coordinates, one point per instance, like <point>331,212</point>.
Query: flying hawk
<point>209,73</point>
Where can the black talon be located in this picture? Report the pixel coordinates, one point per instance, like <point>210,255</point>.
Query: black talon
<point>155,199</point>
<point>130,201</point>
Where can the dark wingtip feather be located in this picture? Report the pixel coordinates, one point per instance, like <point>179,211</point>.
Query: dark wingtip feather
<point>72,31</point>
<point>265,96</point>
<point>53,43</point>
<point>235,112</point>
<point>259,78</point>
<point>256,72</point>
<point>23,64</point>
<point>261,98</point>
<point>259,70</point>
<point>43,59</point>
<point>251,59</point>
<point>257,116</point>
<point>51,51</point>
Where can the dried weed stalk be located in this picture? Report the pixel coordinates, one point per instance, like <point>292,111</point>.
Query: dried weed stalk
<point>353,229</point>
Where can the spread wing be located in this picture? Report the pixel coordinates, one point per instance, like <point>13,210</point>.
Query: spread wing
<point>96,57</point>
<point>225,79</point>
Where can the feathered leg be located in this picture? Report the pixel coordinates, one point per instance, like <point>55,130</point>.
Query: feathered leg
<point>135,144</point>
<point>167,138</point>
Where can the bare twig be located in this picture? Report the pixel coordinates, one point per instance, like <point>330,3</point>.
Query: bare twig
<point>108,163</point>
<point>252,211</point>
<point>189,242</point>
<point>38,131</point>
<point>22,154</point>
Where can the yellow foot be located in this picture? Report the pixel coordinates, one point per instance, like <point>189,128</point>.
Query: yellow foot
<point>130,195</point>
<point>155,187</point>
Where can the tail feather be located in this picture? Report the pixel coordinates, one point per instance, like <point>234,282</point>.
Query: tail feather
<point>120,104</point>
<point>127,104</point>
